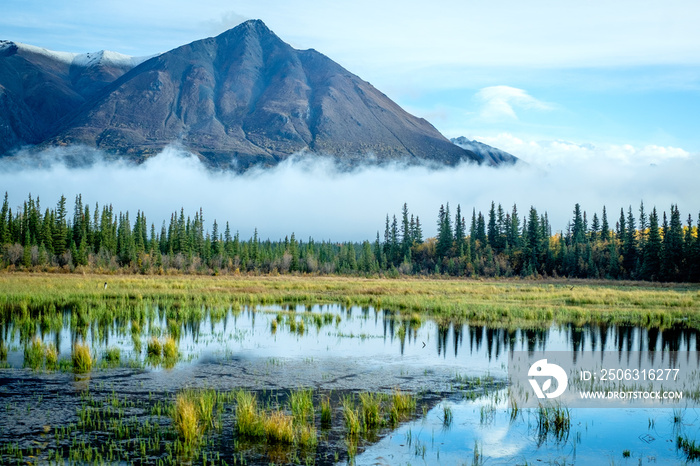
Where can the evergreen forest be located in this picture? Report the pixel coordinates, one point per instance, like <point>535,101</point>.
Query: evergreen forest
<point>632,245</point>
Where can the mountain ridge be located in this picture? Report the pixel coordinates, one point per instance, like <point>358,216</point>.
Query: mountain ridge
<point>240,99</point>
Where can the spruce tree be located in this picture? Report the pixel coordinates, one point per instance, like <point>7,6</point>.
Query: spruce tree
<point>460,236</point>
<point>651,266</point>
<point>605,227</point>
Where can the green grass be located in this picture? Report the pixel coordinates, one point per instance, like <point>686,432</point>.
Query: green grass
<point>189,429</point>
<point>3,351</point>
<point>508,303</point>
<point>371,407</point>
<point>278,427</point>
<point>689,447</point>
<point>82,359</point>
<point>248,419</point>
<point>170,348</point>
<point>326,413</point>
<point>51,354</point>
<point>351,416</point>
<point>186,420</point>
<point>446,416</point>
<point>112,355</point>
<point>402,405</point>
<point>301,403</point>
<point>554,420</point>
<point>34,354</point>
<point>154,349</point>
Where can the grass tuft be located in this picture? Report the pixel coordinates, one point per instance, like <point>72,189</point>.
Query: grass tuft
<point>34,354</point>
<point>301,403</point>
<point>170,348</point>
<point>82,360</point>
<point>51,356</point>
<point>154,348</point>
<point>689,447</point>
<point>352,418</point>
<point>248,422</point>
<point>186,420</point>
<point>326,413</point>
<point>371,409</point>
<point>112,355</point>
<point>278,427</point>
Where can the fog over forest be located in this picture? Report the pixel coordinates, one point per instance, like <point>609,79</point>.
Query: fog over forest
<point>311,197</point>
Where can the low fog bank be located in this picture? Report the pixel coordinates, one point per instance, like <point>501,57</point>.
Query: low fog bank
<point>311,197</point>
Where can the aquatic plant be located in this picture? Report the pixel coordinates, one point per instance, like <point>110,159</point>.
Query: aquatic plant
<point>350,415</point>
<point>501,303</point>
<point>326,412</point>
<point>446,416</point>
<point>154,348</point>
<point>371,409</point>
<point>112,355</point>
<point>34,354</point>
<point>82,359</point>
<point>301,403</point>
<point>170,350</point>
<point>402,404</point>
<point>248,419</point>
<point>51,354</point>
<point>689,447</point>
<point>186,420</point>
<point>554,419</point>
<point>306,436</point>
<point>278,427</point>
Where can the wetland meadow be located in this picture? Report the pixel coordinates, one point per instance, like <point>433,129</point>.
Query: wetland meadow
<point>128,369</point>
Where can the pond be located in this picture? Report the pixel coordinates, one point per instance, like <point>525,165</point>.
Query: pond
<point>457,371</point>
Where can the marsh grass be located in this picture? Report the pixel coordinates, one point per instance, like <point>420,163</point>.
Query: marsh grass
<point>112,355</point>
<point>51,354</point>
<point>278,427</point>
<point>170,348</point>
<point>248,419</point>
<point>555,420</point>
<point>402,405</point>
<point>371,406</point>
<point>689,447</point>
<point>3,351</point>
<point>154,349</point>
<point>446,416</point>
<point>186,421</point>
<point>301,403</point>
<point>350,415</point>
<point>34,354</point>
<point>266,427</point>
<point>505,302</point>
<point>82,359</point>
<point>306,436</point>
<point>326,413</point>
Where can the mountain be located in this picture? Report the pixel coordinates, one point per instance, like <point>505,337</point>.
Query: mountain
<point>240,99</point>
<point>39,87</point>
<point>488,153</point>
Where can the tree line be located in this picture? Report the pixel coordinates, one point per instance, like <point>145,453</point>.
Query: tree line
<point>652,246</point>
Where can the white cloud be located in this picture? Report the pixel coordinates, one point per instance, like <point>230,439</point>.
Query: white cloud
<point>312,198</point>
<point>553,153</point>
<point>500,102</point>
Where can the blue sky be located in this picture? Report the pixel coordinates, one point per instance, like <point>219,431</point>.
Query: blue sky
<point>595,72</point>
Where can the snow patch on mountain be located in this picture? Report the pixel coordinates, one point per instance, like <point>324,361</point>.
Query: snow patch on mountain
<point>84,60</point>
